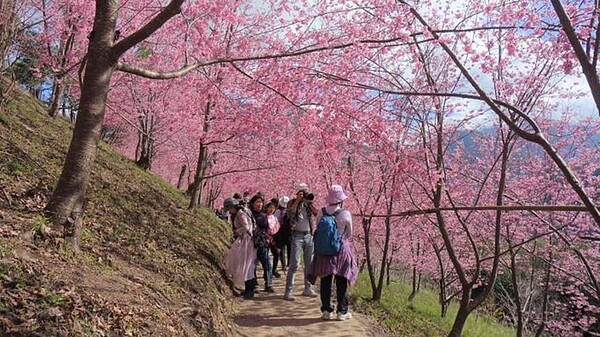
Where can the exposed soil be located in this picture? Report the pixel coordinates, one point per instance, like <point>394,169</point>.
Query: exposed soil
<point>271,315</point>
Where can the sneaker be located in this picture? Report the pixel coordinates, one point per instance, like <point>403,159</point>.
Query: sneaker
<point>343,317</point>
<point>249,295</point>
<point>289,297</point>
<point>276,275</point>
<point>326,315</point>
<point>309,293</point>
<point>269,289</point>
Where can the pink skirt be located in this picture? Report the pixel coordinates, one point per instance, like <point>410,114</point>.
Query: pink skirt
<point>239,263</point>
<point>343,264</point>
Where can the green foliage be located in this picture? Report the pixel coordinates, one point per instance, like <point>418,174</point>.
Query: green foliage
<point>144,52</point>
<point>16,168</point>
<point>41,226</point>
<point>421,316</point>
<point>55,300</point>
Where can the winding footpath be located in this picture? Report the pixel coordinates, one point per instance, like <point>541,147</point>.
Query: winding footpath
<point>269,315</point>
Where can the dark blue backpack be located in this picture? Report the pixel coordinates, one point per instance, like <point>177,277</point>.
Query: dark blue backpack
<point>327,239</point>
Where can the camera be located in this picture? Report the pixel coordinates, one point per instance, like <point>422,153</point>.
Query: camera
<point>309,198</point>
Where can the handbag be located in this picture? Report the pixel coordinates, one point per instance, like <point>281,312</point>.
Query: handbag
<point>259,238</point>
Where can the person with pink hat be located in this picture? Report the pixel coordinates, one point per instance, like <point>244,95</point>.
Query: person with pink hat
<point>342,266</point>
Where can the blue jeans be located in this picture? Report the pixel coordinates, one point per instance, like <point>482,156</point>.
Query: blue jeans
<point>262,254</point>
<point>301,244</point>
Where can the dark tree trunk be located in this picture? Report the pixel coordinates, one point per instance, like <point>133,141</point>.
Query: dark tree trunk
<point>8,28</point>
<point>181,176</point>
<point>198,178</point>
<point>66,205</point>
<point>442,282</point>
<point>59,86</point>
<point>57,92</point>
<point>462,314</point>
<point>413,293</point>
<point>145,150</point>
<point>542,326</point>
<point>389,263</point>
<point>513,276</point>
<point>67,201</point>
<point>202,162</point>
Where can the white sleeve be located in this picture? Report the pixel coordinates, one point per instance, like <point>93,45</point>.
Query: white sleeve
<point>344,220</point>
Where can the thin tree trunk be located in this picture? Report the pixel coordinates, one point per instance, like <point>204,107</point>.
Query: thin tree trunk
<point>57,92</point>
<point>389,263</point>
<point>366,222</point>
<point>461,315</point>
<point>542,325</point>
<point>513,274</point>
<point>59,86</point>
<point>198,178</point>
<point>181,176</point>
<point>413,293</point>
<point>442,282</point>
<point>202,161</point>
<point>386,246</point>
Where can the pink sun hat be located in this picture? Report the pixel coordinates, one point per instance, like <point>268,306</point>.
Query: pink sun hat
<point>336,195</point>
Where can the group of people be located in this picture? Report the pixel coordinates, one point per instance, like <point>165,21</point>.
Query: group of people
<point>285,227</point>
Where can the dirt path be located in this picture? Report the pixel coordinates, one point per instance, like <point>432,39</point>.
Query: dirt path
<point>270,315</point>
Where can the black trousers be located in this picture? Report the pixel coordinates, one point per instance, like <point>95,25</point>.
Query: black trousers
<point>341,286</point>
<point>277,255</point>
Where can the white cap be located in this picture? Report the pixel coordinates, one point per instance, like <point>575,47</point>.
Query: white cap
<point>302,187</point>
<point>283,201</point>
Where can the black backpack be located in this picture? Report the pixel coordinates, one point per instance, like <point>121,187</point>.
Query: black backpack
<point>284,234</point>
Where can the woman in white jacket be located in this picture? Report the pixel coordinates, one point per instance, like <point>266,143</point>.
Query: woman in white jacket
<point>242,254</point>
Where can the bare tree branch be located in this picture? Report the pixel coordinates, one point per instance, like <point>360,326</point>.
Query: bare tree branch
<point>539,138</point>
<point>542,208</point>
<point>586,67</point>
<point>172,9</point>
<point>241,170</point>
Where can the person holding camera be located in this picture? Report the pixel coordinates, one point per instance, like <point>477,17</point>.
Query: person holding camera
<point>301,212</point>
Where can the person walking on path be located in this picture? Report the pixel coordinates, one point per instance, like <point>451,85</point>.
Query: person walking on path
<point>342,266</point>
<point>272,230</point>
<point>240,259</point>
<point>301,212</point>
<point>282,237</point>
<point>262,252</point>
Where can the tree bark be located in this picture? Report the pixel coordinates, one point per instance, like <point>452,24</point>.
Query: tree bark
<point>461,315</point>
<point>8,28</point>
<point>57,92</point>
<point>442,282</point>
<point>587,68</point>
<point>198,178</point>
<point>67,202</point>
<point>145,147</point>
<point>59,86</point>
<point>181,176</point>
<point>386,245</point>
<point>69,195</point>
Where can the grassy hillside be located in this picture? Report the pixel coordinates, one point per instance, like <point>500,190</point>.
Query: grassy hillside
<point>421,316</point>
<point>148,266</point>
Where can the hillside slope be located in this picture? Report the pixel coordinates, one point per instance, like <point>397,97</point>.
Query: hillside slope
<point>148,267</point>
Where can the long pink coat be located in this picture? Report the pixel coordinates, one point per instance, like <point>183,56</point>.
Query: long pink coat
<point>239,263</point>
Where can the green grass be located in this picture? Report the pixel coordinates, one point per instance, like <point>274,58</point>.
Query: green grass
<point>420,317</point>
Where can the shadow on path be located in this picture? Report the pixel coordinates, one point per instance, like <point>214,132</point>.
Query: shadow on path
<point>267,314</point>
